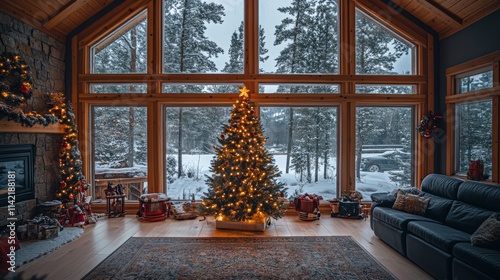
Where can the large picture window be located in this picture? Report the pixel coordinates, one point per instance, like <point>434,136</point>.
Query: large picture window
<point>334,83</point>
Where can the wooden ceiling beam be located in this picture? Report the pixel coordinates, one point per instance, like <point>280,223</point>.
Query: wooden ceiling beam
<point>484,11</point>
<point>62,15</point>
<point>439,11</point>
<point>29,17</point>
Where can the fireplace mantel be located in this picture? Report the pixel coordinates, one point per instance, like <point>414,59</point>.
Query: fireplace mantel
<point>13,127</point>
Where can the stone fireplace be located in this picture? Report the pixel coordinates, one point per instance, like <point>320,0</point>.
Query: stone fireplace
<point>45,176</point>
<point>45,56</point>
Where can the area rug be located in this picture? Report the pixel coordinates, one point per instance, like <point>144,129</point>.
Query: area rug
<point>34,249</point>
<point>314,257</point>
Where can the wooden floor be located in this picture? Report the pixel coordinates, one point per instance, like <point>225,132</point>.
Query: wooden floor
<point>75,259</point>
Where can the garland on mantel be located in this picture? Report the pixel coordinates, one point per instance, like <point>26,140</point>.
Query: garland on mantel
<point>29,119</point>
<point>15,90</point>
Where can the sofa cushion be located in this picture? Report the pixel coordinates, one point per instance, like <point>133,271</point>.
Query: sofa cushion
<point>488,234</point>
<point>439,235</point>
<point>438,207</point>
<point>410,203</point>
<point>441,185</point>
<point>483,259</point>
<point>480,194</point>
<point>466,217</point>
<point>396,218</point>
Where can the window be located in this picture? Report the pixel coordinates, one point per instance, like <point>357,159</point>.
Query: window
<point>384,157</point>
<point>124,50</point>
<point>191,133</point>
<point>473,82</point>
<point>379,50</point>
<point>319,72</point>
<point>298,88</point>
<point>386,89</point>
<point>303,142</point>
<point>201,88</point>
<point>473,129</point>
<point>474,132</point>
<point>203,36</point>
<point>120,150</point>
<point>299,37</point>
<point>117,88</point>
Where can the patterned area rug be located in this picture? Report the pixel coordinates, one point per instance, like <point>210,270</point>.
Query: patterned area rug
<point>327,257</point>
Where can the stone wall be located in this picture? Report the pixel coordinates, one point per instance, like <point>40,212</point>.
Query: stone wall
<point>45,55</point>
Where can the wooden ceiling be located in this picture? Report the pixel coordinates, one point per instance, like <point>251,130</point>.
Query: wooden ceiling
<point>59,17</point>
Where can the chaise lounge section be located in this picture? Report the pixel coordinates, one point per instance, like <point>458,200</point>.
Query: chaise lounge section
<point>437,235</point>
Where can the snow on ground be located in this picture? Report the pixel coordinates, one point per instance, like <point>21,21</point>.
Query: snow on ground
<point>185,188</point>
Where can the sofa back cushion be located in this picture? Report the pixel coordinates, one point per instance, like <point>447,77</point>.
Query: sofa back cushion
<point>438,207</point>
<point>480,194</point>
<point>466,217</point>
<point>441,185</point>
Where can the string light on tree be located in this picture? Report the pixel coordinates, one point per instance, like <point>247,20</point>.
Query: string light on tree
<point>244,186</point>
<point>72,186</point>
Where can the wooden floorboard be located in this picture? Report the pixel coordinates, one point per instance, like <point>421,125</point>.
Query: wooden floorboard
<point>75,259</point>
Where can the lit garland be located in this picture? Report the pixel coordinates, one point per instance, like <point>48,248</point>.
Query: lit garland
<point>15,79</point>
<point>29,119</point>
<point>244,185</point>
<point>72,185</point>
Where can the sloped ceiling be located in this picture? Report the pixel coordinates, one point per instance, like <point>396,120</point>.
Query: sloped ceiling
<point>59,17</point>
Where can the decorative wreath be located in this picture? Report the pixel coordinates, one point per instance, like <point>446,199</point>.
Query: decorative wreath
<point>15,79</point>
<point>428,124</point>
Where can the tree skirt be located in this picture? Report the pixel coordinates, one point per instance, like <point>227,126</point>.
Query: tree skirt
<point>306,257</point>
<point>33,249</point>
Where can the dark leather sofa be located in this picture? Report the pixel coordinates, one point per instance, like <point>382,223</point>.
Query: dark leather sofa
<point>439,241</point>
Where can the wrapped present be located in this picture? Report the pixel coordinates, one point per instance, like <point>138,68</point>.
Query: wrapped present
<point>32,231</point>
<point>153,207</point>
<point>349,209</point>
<point>307,203</point>
<point>183,211</point>
<point>47,231</point>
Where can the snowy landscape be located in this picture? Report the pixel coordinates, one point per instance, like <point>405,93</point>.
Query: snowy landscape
<point>184,188</point>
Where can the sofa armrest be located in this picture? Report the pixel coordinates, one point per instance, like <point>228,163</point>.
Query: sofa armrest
<point>383,199</point>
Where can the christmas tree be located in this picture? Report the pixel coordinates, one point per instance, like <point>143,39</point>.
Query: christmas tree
<point>73,184</point>
<point>244,185</point>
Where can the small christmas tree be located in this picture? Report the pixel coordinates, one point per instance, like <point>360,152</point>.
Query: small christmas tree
<point>244,185</point>
<point>73,184</point>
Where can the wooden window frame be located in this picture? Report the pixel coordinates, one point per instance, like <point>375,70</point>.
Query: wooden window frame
<point>346,100</point>
<point>453,98</point>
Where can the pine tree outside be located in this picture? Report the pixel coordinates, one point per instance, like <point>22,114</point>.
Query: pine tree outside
<point>282,36</point>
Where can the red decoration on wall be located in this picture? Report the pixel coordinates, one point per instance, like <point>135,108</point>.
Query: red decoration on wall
<point>428,124</point>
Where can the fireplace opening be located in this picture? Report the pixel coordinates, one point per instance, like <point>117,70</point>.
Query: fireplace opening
<point>16,173</point>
